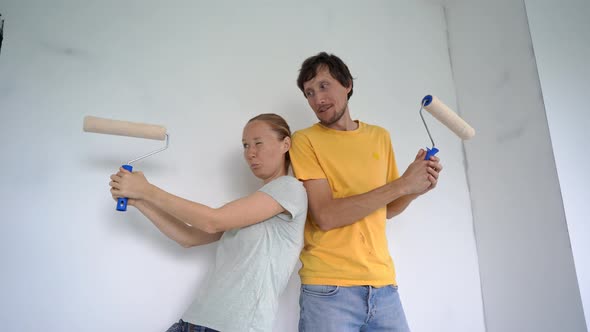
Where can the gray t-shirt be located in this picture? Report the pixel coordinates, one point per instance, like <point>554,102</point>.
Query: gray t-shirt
<point>253,265</point>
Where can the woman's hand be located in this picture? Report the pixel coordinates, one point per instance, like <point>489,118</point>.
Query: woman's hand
<point>131,185</point>
<point>130,201</point>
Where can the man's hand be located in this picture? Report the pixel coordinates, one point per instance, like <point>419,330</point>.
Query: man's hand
<point>422,175</point>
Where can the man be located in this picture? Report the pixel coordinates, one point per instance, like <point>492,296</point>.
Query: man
<point>348,169</point>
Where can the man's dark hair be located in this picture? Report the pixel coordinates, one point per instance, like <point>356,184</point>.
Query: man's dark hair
<point>335,65</point>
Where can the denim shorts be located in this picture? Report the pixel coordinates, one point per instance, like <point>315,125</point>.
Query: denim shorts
<point>183,326</point>
<point>326,308</point>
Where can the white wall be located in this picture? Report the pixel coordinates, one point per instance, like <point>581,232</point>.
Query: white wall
<point>561,39</point>
<point>202,68</point>
<point>526,265</point>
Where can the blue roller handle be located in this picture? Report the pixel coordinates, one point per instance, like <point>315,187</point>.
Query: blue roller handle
<point>430,153</point>
<point>122,201</point>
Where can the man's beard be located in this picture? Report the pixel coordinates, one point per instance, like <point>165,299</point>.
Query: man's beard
<point>337,116</point>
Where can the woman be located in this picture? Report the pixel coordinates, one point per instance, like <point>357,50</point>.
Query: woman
<point>260,236</point>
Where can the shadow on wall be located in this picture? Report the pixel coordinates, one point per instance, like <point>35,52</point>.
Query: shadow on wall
<point>1,31</point>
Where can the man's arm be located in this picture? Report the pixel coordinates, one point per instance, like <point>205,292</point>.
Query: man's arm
<point>330,213</point>
<point>399,205</point>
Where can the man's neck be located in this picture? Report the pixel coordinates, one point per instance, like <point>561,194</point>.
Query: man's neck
<point>344,124</point>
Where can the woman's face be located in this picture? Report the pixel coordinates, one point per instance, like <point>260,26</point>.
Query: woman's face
<point>263,150</point>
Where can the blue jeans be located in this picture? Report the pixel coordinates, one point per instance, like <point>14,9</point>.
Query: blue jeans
<point>351,309</point>
<point>183,326</point>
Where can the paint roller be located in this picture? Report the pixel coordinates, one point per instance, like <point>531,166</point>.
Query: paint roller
<point>447,117</point>
<point>125,128</point>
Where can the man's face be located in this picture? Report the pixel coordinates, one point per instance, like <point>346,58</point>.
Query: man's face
<point>326,97</point>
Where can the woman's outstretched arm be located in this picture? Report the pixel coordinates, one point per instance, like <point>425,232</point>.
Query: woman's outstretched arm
<point>184,234</point>
<point>249,210</point>
<point>178,231</point>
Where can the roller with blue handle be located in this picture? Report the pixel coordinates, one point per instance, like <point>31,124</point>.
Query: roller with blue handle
<point>125,128</point>
<point>447,117</point>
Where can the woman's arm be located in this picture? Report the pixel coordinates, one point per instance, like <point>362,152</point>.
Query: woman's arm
<point>245,211</point>
<point>184,234</point>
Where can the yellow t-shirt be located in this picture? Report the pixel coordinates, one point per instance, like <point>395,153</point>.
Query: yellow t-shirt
<point>354,162</point>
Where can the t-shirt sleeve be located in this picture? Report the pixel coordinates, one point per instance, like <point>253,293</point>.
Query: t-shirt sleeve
<point>304,159</point>
<point>290,194</point>
<point>392,171</point>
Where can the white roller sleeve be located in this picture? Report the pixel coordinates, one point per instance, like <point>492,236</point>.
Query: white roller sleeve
<point>450,119</point>
<point>124,128</point>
